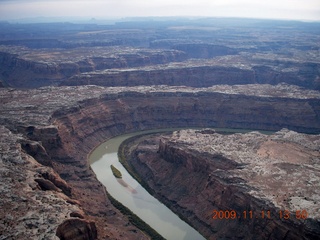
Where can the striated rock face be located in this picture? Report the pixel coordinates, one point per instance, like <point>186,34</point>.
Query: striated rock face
<point>59,126</point>
<point>34,112</point>
<point>126,66</point>
<point>28,68</point>
<point>197,172</point>
<point>188,75</point>
<point>231,70</point>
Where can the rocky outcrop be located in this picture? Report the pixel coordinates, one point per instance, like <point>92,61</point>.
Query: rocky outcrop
<point>77,229</point>
<point>34,199</point>
<point>38,203</point>
<point>197,173</point>
<point>59,126</point>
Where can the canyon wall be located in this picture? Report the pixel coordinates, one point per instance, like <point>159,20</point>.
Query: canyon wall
<point>94,121</point>
<point>194,182</point>
<point>188,76</point>
<point>206,75</point>
<point>35,201</point>
<point>17,70</point>
<point>59,127</point>
<point>111,66</point>
<point>47,133</point>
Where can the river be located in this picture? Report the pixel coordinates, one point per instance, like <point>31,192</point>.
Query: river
<point>131,194</point>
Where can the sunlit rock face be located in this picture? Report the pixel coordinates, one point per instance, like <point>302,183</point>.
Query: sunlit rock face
<point>35,200</point>
<point>55,128</point>
<point>254,177</point>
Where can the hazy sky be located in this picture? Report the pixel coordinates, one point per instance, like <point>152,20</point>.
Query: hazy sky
<point>279,9</point>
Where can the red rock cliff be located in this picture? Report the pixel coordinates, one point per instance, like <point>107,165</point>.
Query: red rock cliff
<point>194,176</point>
<point>60,126</point>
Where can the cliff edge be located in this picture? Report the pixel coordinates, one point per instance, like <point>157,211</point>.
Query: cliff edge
<point>59,126</point>
<point>235,186</point>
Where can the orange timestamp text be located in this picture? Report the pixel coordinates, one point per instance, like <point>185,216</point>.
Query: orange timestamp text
<point>263,214</point>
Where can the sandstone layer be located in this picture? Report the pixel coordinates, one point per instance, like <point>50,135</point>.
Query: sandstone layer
<point>196,172</point>
<point>22,67</point>
<point>232,70</point>
<point>59,126</point>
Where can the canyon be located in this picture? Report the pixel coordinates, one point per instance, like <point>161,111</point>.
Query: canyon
<point>61,131</point>
<point>197,53</point>
<point>198,172</point>
<point>66,88</point>
<point>127,66</point>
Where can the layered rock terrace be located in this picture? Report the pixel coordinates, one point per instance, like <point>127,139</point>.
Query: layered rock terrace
<point>238,69</point>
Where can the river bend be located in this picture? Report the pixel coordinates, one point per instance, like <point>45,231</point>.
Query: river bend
<point>131,194</point>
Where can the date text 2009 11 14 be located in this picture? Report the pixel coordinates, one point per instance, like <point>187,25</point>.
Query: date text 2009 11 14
<point>263,214</point>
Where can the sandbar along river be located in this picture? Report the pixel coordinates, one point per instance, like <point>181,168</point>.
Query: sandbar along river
<point>131,194</point>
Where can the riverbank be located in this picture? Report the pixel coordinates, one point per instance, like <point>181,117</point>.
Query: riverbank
<point>131,194</point>
<point>126,152</point>
<point>59,127</point>
<point>126,156</point>
<point>135,220</point>
<point>231,172</point>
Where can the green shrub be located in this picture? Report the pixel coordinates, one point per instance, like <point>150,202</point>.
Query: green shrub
<point>116,172</point>
<point>135,220</point>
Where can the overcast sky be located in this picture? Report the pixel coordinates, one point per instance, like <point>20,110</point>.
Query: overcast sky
<point>278,9</point>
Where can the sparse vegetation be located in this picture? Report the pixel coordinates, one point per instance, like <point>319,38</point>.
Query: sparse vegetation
<point>116,172</point>
<point>123,152</point>
<point>135,220</point>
